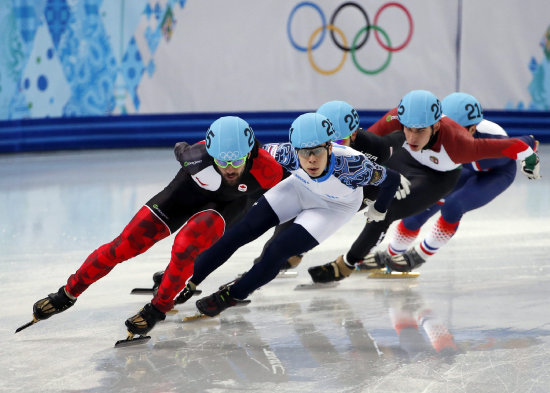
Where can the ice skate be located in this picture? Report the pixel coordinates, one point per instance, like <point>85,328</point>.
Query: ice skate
<point>53,304</point>
<point>373,261</point>
<point>157,279</point>
<point>405,262</point>
<point>141,324</point>
<point>375,264</point>
<point>195,317</point>
<point>333,271</point>
<point>287,274</point>
<point>187,293</point>
<point>290,264</point>
<point>316,285</point>
<point>293,261</point>
<point>199,315</point>
<point>386,273</point>
<point>217,302</point>
<point>144,320</point>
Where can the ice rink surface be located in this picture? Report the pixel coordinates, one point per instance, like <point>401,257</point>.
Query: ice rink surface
<point>476,320</point>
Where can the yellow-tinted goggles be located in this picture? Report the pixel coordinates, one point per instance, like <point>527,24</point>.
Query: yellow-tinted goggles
<point>235,163</point>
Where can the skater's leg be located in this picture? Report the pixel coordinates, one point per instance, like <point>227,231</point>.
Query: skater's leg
<point>440,234</point>
<point>478,189</point>
<point>295,239</point>
<point>278,229</point>
<point>371,235</point>
<point>427,187</point>
<point>199,233</point>
<point>292,241</point>
<point>402,238</point>
<point>144,230</point>
<point>310,228</point>
<point>408,228</point>
<point>257,221</point>
<point>412,223</point>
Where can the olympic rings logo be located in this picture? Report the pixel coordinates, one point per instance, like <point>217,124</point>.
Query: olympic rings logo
<point>355,43</point>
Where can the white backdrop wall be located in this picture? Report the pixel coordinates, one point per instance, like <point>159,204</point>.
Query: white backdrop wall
<point>97,57</point>
<point>235,55</point>
<point>504,44</point>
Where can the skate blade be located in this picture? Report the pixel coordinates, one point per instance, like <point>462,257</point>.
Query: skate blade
<point>149,291</point>
<point>132,340</point>
<point>196,317</point>
<point>315,285</point>
<point>287,274</point>
<point>34,320</point>
<point>141,291</point>
<point>386,274</point>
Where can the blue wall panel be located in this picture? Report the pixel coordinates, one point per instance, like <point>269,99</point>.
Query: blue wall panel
<point>105,132</point>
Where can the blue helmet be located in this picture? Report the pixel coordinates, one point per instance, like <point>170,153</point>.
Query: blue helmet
<point>343,116</point>
<point>229,138</point>
<point>419,109</point>
<point>310,130</point>
<point>462,108</point>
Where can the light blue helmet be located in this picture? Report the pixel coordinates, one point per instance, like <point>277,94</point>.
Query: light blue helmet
<point>419,109</point>
<point>462,108</point>
<point>343,116</point>
<point>229,138</point>
<point>310,130</point>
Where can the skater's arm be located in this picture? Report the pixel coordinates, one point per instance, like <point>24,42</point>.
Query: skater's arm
<point>377,148</point>
<point>387,124</point>
<point>387,190</point>
<point>284,154</point>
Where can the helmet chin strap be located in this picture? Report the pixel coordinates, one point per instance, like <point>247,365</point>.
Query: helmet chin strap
<point>328,162</point>
<point>433,139</point>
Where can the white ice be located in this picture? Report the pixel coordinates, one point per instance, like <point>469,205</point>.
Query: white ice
<point>476,320</point>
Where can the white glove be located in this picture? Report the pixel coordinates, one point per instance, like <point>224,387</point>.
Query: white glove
<point>530,167</point>
<point>374,215</point>
<point>404,188</point>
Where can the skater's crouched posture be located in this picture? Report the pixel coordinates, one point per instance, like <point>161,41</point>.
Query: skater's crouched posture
<point>378,149</point>
<point>322,194</point>
<point>480,182</point>
<point>217,182</point>
<point>430,159</point>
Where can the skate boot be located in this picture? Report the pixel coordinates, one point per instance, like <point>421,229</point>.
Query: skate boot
<point>53,304</point>
<point>157,279</point>
<point>288,269</point>
<point>405,262</point>
<point>333,271</point>
<point>186,294</point>
<point>144,320</point>
<point>293,261</point>
<point>375,260</point>
<point>217,302</point>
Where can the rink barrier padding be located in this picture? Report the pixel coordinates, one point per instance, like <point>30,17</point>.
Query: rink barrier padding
<point>164,130</point>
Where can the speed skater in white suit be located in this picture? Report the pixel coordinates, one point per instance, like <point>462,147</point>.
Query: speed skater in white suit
<point>348,132</point>
<point>322,194</point>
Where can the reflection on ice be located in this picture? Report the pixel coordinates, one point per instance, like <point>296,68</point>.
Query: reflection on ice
<point>475,320</point>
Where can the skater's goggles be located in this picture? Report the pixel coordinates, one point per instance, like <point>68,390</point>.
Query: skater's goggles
<point>235,163</point>
<point>316,151</point>
<point>342,141</point>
